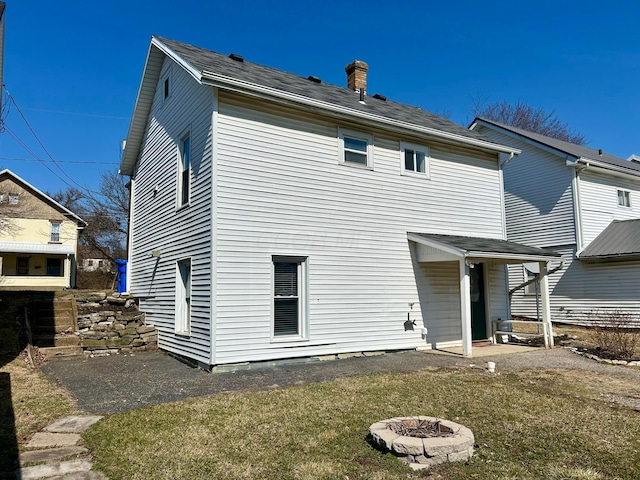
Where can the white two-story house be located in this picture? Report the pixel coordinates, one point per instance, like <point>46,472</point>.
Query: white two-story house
<point>275,216</point>
<point>583,204</point>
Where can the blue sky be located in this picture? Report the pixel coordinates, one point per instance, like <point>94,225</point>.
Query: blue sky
<point>74,67</point>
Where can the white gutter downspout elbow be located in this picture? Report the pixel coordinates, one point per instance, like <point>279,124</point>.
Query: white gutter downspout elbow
<point>511,155</point>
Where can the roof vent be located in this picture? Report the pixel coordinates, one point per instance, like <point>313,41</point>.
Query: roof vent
<point>314,79</point>
<point>600,151</point>
<point>236,57</point>
<point>380,97</point>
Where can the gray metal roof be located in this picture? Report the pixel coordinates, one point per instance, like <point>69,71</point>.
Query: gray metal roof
<point>207,61</point>
<point>621,239</point>
<point>577,151</point>
<point>479,246</point>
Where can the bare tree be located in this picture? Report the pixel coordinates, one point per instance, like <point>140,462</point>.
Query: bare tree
<point>527,117</point>
<point>106,212</point>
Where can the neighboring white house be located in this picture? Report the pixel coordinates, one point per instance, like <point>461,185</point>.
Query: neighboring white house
<point>581,203</point>
<point>276,216</point>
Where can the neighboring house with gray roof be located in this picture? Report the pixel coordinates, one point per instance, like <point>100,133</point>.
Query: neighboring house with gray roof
<point>276,216</point>
<point>582,203</point>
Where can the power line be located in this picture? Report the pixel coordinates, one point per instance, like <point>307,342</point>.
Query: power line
<point>20,159</point>
<point>97,115</point>
<point>44,148</point>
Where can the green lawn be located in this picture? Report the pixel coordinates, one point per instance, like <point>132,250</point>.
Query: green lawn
<point>528,425</point>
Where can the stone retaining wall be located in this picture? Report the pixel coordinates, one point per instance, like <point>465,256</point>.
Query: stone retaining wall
<point>112,323</point>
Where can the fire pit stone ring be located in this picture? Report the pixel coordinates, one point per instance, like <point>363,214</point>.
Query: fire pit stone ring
<point>422,442</point>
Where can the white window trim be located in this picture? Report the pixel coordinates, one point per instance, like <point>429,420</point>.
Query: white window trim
<point>427,160</point>
<point>51,240</point>
<point>183,137</point>
<point>183,321</point>
<point>628,195</point>
<point>366,137</point>
<point>303,296</point>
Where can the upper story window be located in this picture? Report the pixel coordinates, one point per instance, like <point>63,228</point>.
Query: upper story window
<point>624,198</point>
<point>414,159</point>
<point>54,234</point>
<point>356,148</point>
<point>14,198</point>
<point>185,170</point>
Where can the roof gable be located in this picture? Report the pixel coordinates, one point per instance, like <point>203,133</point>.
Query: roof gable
<point>219,70</point>
<point>42,196</point>
<point>563,148</point>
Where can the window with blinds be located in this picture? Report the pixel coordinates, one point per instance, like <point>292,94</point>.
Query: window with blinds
<point>289,287</point>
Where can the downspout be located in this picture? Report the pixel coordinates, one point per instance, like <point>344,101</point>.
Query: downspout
<point>577,205</point>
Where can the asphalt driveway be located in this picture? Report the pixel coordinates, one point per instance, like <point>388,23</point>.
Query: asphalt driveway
<point>122,382</point>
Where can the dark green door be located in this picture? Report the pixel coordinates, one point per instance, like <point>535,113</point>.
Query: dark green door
<point>478,317</point>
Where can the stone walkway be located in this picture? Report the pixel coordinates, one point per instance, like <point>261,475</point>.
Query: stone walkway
<point>56,453</point>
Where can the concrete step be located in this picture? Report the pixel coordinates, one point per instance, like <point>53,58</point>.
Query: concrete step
<point>57,352</point>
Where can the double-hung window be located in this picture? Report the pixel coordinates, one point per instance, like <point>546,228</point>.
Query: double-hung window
<point>414,159</point>
<point>54,234</point>
<point>356,148</point>
<point>289,297</point>
<point>530,272</point>
<point>183,297</point>
<point>624,198</point>
<point>184,168</point>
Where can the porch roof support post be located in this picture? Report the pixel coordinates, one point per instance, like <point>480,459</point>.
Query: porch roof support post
<point>465,307</point>
<point>545,304</point>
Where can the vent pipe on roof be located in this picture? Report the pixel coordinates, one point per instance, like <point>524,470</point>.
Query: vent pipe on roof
<point>600,151</point>
<point>357,75</point>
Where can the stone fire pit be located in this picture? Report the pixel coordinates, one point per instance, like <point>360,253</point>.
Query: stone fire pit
<point>422,442</point>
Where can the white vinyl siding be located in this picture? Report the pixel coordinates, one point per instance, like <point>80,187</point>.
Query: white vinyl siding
<point>582,287</point>
<point>599,202</point>
<point>281,190</point>
<point>538,195</point>
<point>156,225</point>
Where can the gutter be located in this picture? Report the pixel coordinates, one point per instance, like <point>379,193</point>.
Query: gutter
<point>584,163</point>
<point>228,83</point>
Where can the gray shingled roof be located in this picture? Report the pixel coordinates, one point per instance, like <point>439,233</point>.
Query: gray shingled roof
<point>621,239</point>
<point>204,60</point>
<point>572,149</point>
<point>479,245</point>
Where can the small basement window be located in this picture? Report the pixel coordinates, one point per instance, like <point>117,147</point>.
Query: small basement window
<point>414,158</point>
<point>356,148</point>
<point>624,198</point>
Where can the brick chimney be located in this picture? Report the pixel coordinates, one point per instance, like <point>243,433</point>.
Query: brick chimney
<point>357,75</point>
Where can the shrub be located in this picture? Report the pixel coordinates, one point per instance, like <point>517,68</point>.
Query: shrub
<point>616,333</point>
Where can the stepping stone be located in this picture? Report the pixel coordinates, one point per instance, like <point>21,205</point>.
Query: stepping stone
<point>49,440</point>
<point>50,455</point>
<point>73,424</point>
<point>80,476</point>
<point>53,469</point>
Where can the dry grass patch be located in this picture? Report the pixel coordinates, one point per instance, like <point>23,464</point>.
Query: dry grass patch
<point>527,426</point>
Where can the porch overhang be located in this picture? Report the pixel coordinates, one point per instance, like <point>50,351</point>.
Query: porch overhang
<point>37,248</point>
<point>467,251</point>
<point>439,248</point>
